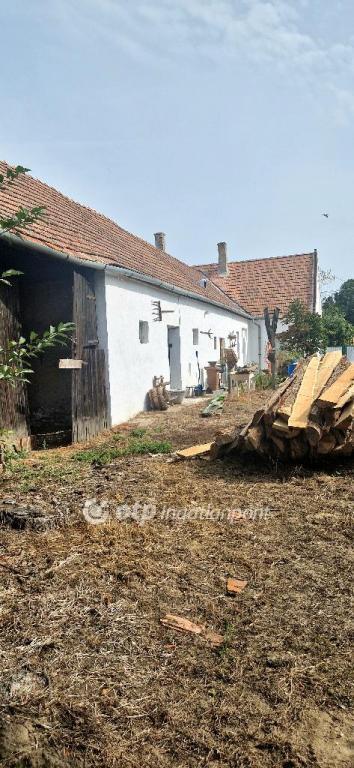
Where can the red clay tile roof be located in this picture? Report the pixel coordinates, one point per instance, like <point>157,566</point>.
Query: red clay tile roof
<point>271,282</point>
<point>81,232</point>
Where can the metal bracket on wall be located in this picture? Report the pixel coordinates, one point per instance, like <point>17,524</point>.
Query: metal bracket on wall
<point>207,333</point>
<point>157,311</point>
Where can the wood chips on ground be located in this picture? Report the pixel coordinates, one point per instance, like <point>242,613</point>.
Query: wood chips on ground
<point>89,676</point>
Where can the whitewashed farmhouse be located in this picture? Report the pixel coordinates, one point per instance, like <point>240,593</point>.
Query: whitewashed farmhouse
<point>138,312</point>
<point>271,282</point>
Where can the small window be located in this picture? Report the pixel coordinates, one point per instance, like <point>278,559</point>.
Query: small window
<point>215,342</point>
<point>143,331</point>
<point>195,336</point>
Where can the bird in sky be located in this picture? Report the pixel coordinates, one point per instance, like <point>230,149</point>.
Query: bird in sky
<point>325,215</point>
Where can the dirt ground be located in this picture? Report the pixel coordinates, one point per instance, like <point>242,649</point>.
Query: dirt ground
<point>89,675</point>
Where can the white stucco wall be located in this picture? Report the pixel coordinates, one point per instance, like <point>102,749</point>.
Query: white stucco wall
<point>132,365</point>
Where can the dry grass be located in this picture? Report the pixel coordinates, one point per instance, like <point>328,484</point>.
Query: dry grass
<point>89,676</point>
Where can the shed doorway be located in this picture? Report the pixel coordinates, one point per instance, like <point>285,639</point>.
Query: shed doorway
<point>174,356</point>
<point>60,404</point>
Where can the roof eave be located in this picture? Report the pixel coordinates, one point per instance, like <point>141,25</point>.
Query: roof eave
<point>123,271</point>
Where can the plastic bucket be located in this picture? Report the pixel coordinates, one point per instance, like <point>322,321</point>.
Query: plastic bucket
<point>291,368</point>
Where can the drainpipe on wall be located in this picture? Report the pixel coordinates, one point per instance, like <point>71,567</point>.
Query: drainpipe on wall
<point>259,344</point>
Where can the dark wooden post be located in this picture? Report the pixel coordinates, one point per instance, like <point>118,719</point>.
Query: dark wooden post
<point>271,325</point>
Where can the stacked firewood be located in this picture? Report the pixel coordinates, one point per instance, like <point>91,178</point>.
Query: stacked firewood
<point>311,414</point>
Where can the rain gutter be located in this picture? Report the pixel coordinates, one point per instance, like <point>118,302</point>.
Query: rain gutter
<point>116,271</point>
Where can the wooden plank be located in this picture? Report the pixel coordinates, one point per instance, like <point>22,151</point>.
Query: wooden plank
<point>70,364</point>
<point>275,398</point>
<point>349,395</point>
<point>297,449</point>
<point>194,450</point>
<point>254,437</point>
<point>313,433</point>
<point>346,416</point>
<point>222,439</point>
<point>235,586</point>
<point>14,410</point>
<point>284,411</point>
<point>281,426</point>
<point>326,444</point>
<point>335,392</point>
<point>346,449</point>
<point>328,364</point>
<point>279,443</point>
<point>305,396</point>
<point>89,397</point>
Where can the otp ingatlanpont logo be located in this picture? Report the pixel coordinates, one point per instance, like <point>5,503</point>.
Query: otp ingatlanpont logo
<point>96,512</point>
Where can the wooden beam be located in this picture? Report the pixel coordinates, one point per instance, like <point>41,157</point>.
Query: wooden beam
<point>71,364</point>
<point>328,364</point>
<point>194,450</point>
<point>284,412</point>
<point>280,425</point>
<point>281,446</point>
<point>326,444</point>
<point>335,392</point>
<point>269,406</point>
<point>254,437</point>
<point>349,395</point>
<point>313,433</point>
<point>346,416</point>
<point>305,396</point>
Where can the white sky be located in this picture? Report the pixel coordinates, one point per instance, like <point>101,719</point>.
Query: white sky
<point>208,119</point>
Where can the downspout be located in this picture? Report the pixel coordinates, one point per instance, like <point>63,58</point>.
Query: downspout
<point>255,322</point>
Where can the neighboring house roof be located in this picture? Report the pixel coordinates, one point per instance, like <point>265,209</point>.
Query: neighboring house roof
<point>271,282</point>
<point>79,231</point>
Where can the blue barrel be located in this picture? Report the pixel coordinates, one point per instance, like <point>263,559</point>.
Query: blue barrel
<point>291,368</point>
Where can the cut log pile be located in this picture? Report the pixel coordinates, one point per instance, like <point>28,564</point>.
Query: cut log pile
<point>311,414</point>
<point>158,395</point>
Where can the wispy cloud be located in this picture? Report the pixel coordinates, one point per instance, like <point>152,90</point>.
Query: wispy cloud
<point>276,33</point>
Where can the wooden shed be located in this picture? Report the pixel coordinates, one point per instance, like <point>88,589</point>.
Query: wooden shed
<point>62,403</point>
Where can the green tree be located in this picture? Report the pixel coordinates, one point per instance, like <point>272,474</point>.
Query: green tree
<point>305,333</point>
<point>338,332</point>
<point>343,300</point>
<point>16,355</point>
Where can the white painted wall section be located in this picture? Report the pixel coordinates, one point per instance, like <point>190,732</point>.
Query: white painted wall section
<point>132,364</point>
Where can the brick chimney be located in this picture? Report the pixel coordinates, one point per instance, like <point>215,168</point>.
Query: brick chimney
<point>160,240</point>
<point>223,268</point>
